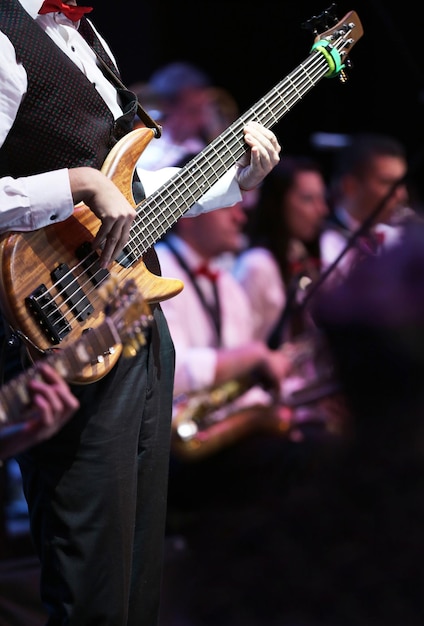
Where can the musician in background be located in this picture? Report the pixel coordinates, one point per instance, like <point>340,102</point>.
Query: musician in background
<point>279,262</point>
<point>368,191</point>
<point>282,254</point>
<point>216,342</point>
<point>179,90</point>
<point>191,110</point>
<point>51,406</point>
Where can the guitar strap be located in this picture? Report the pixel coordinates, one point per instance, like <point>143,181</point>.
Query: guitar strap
<point>142,114</point>
<point>214,310</point>
<point>110,72</point>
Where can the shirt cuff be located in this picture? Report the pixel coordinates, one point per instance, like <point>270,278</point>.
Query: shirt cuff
<point>226,192</point>
<point>50,198</point>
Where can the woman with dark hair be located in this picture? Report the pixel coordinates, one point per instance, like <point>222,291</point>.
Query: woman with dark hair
<point>282,253</point>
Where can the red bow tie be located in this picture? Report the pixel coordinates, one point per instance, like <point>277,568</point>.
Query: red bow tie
<point>208,272</point>
<point>72,12</point>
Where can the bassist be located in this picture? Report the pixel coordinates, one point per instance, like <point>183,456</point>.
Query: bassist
<point>97,490</point>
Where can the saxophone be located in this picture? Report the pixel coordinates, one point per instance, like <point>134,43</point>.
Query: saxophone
<point>209,420</point>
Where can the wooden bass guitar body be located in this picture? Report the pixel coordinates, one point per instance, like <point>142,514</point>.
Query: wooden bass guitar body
<point>50,277</point>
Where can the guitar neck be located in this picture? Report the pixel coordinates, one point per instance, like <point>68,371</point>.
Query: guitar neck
<point>164,207</point>
<point>68,362</point>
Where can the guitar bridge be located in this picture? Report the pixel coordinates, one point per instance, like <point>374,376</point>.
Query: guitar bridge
<point>45,311</point>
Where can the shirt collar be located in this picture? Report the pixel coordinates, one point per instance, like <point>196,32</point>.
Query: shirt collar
<point>33,6</point>
<point>190,256</point>
<point>346,219</point>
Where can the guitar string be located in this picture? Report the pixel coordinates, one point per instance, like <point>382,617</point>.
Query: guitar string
<point>262,111</point>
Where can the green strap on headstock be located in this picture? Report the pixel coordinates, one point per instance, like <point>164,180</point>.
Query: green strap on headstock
<point>332,57</point>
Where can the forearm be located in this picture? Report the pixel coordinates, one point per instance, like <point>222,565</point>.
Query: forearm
<point>238,362</point>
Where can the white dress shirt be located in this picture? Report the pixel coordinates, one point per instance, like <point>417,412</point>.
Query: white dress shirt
<point>34,202</point>
<point>257,272</point>
<point>190,325</point>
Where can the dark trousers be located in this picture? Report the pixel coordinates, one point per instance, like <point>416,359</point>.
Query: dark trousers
<point>97,494</point>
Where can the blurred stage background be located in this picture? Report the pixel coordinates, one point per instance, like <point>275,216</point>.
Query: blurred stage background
<point>247,50</point>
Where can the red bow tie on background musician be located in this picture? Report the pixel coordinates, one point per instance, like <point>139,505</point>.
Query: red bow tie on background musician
<point>71,11</point>
<point>206,271</point>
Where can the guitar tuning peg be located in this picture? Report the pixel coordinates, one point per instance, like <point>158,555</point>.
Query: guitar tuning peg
<point>343,77</point>
<point>321,22</point>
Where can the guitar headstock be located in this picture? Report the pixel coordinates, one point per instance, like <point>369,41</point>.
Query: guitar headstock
<point>129,312</point>
<point>337,39</point>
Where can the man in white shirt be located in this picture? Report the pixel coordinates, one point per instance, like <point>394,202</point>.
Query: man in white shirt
<point>181,91</point>
<point>368,189</point>
<point>207,353</point>
<point>97,490</point>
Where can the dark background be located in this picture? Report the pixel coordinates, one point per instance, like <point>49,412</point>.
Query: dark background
<point>249,49</point>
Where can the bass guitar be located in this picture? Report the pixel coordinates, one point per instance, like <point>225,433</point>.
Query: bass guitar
<point>49,278</point>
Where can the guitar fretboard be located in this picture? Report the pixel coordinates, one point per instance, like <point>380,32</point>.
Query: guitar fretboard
<point>164,207</point>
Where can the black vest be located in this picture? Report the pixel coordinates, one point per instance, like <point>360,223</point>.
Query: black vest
<point>62,120</point>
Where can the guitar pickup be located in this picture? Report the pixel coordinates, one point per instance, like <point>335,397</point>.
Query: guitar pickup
<point>126,258</point>
<point>91,263</point>
<point>69,289</point>
<point>44,310</point>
